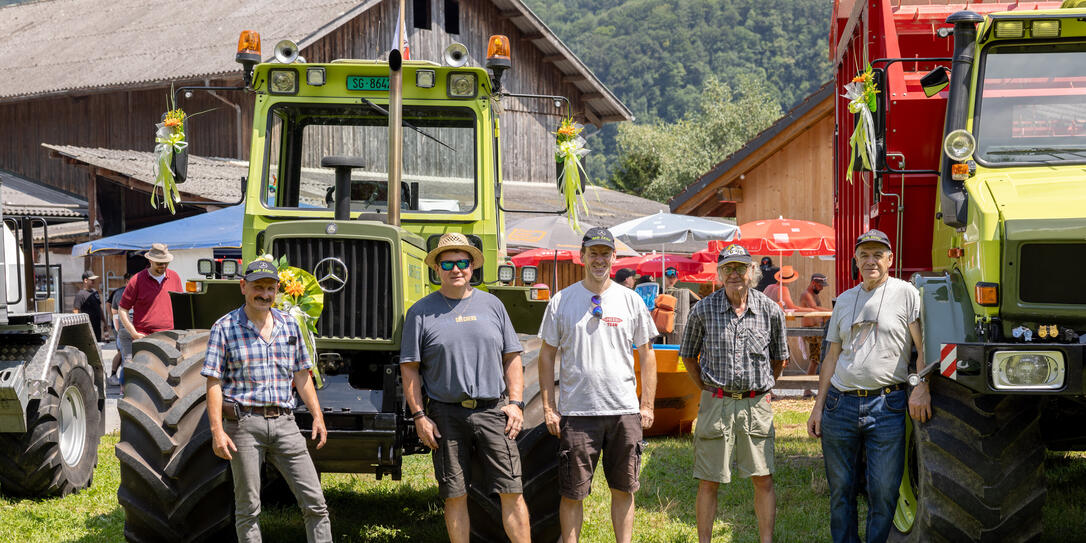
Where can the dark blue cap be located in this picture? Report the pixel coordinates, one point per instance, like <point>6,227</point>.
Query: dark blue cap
<point>873,236</point>
<point>261,269</point>
<point>598,236</point>
<point>733,253</point>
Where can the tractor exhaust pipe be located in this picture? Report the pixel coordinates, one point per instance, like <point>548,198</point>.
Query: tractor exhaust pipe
<point>395,134</point>
<point>952,193</point>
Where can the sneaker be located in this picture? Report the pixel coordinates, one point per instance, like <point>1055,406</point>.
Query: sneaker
<point>114,380</point>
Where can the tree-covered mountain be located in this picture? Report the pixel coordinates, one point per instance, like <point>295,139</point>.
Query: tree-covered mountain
<point>658,56</point>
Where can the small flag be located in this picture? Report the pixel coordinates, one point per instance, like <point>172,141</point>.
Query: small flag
<point>405,49</point>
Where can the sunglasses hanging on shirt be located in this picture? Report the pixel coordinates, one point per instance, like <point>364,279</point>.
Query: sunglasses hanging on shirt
<point>597,309</point>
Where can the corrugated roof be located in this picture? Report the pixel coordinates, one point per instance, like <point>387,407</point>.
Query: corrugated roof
<point>22,197</point>
<point>63,45</point>
<point>214,179</point>
<point>58,46</point>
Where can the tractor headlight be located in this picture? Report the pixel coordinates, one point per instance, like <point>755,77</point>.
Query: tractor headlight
<point>1028,369</point>
<point>283,82</point>
<point>528,275</point>
<point>229,267</point>
<point>462,85</point>
<point>205,267</point>
<point>506,273</point>
<point>959,145</point>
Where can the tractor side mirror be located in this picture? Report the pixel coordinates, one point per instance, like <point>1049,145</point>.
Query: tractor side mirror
<point>935,81</point>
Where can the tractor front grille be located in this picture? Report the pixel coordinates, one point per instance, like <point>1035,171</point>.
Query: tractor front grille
<point>363,308</point>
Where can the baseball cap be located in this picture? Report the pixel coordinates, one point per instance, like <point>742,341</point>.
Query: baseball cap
<point>624,274</point>
<point>874,236</point>
<point>671,272</point>
<point>733,253</point>
<point>89,275</point>
<point>261,269</point>
<point>598,236</point>
<point>819,278</point>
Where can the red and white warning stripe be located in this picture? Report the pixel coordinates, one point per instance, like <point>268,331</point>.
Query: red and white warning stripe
<point>948,360</point>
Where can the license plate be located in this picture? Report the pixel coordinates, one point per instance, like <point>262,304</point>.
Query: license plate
<point>367,83</point>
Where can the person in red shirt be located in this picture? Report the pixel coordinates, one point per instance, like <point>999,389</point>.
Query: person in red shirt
<point>148,295</point>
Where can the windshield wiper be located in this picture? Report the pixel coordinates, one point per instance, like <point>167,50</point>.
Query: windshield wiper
<point>384,112</point>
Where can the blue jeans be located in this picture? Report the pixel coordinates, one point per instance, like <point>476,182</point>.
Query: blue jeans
<point>851,426</point>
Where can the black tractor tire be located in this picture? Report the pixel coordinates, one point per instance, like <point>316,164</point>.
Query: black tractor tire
<point>980,468</point>
<point>59,450</point>
<point>173,487</point>
<point>539,466</point>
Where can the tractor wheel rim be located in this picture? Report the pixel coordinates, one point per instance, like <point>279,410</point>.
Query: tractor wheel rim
<point>73,426</point>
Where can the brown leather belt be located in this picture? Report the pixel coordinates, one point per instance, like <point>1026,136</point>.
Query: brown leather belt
<point>232,411</point>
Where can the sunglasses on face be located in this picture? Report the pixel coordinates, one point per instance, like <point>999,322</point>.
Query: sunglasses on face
<point>670,273</point>
<point>447,265</point>
<point>597,310</point>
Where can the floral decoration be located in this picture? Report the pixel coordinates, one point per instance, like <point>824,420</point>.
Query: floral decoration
<point>302,298</point>
<point>569,147</point>
<point>861,94</point>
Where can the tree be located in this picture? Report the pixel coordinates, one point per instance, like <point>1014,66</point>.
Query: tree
<point>658,160</point>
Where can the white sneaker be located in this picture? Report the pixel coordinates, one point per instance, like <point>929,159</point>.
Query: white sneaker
<point>113,380</point>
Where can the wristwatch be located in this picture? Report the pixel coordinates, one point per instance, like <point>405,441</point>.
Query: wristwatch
<point>517,403</point>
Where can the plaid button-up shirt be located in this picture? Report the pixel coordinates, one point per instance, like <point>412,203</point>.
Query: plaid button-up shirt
<point>736,350</point>
<point>255,372</point>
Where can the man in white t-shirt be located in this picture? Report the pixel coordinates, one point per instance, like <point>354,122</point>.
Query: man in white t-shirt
<point>594,324</point>
<point>862,399</point>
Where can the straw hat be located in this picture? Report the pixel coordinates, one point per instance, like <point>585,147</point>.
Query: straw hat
<point>787,274</point>
<point>454,241</point>
<point>158,253</point>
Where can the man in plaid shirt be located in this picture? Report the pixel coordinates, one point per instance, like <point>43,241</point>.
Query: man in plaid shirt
<point>739,334</point>
<point>254,353</point>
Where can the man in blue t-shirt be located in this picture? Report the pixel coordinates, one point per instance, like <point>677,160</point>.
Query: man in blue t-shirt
<point>459,344</point>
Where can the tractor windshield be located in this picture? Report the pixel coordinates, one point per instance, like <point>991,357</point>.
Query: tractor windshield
<point>438,157</point>
<point>1032,105</point>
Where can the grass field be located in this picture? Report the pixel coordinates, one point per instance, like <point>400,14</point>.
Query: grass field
<point>409,510</point>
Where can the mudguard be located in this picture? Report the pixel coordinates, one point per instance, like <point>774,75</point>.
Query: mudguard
<point>525,312</point>
<point>947,318</point>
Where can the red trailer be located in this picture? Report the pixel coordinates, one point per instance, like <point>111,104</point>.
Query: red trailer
<point>899,196</point>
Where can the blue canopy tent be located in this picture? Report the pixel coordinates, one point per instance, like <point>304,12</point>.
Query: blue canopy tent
<point>217,229</point>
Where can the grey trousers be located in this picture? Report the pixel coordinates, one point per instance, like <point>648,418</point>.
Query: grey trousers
<point>280,442</point>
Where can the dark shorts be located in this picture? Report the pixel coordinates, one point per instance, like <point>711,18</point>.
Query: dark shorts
<point>480,433</point>
<point>618,437</point>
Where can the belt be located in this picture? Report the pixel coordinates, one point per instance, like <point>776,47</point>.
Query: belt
<point>266,411</point>
<point>473,403</point>
<point>876,392</point>
<point>721,393</point>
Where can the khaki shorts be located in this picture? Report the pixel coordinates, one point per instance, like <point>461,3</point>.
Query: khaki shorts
<point>729,429</point>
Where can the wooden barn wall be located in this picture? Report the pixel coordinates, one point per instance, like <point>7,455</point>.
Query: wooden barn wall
<point>796,182</point>
<point>122,120</point>
<point>527,125</point>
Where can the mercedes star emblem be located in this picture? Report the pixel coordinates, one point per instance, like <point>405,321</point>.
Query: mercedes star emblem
<point>331,274</point>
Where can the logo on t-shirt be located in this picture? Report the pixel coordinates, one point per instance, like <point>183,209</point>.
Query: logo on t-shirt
<point>465,318</point>
<point>612,321</point>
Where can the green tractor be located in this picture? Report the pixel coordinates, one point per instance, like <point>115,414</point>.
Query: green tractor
<point>356,168</point>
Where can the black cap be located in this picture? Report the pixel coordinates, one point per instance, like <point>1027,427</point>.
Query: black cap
<point>624,274</point>
<point>89,275</point>
<point>261,269</point>
<point>598,236</point>
<point>873,236</point>
<point>733,253</point>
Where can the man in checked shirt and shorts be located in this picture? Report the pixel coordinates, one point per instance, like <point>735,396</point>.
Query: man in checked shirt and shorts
<point>254,353</point>
<point>739,334</point>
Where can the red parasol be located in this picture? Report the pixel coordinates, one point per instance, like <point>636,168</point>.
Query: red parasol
<point>783,236</point>
<point>532,257</point>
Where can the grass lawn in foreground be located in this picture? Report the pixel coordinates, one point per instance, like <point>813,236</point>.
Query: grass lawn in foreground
<point>363,509</point>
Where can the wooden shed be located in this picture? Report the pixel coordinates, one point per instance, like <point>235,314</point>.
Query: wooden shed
<point>80,73</point>
<point>787,170</point>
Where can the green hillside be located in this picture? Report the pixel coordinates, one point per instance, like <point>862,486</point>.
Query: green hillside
<point>658,56</point>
